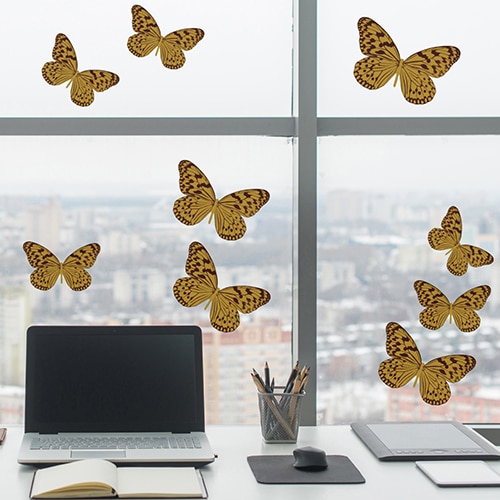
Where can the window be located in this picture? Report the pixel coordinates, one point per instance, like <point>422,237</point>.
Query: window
<point>108,173</point>
<point>387,173</point>
<point>343,237</point>
<point>375,213</point>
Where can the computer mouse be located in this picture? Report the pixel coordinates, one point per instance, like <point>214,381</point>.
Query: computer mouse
<point>310,459</point>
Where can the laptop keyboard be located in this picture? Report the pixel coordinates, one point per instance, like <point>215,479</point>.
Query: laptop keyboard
<point>113,443</point>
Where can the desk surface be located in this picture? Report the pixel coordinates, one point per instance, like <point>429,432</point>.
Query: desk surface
<point>230,477</point>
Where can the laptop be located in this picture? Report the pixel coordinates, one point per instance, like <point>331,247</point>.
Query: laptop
<point>128,394</point>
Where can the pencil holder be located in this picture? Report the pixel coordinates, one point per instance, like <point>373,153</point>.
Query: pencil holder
<point>280,416</point>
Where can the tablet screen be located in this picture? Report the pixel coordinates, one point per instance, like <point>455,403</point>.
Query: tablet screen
<point>492,434</point>
<point>413,436</point>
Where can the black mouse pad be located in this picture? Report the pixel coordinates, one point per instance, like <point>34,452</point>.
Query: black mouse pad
<point>279,469</point>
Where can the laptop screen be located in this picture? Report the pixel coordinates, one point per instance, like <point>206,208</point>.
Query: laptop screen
<point>114,379</point>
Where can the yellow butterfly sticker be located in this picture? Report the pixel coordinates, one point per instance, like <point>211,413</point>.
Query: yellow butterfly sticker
<point>383,62</point>
<point>200,200</point>
<point>462,310</point>
<point>148,37</point>
<point>448,238</point>
<point>406,363</point>
<point>48,267</point>
<point>64,68</point>
<point>225,303</point>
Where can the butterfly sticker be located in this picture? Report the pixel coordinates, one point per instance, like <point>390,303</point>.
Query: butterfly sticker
<point>202,285</point>
<point>48,267</point>
<point>448,238</point>
<point>406,363</point>
<point>64,68</point>
<point>200,200</point>
<point>438,307</point>
<point>148,37</point>
<point>383,62</point>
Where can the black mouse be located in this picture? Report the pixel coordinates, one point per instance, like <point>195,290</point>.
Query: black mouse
<point>310,459</point>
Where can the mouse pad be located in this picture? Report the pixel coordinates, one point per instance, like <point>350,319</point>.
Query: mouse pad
<point>279,469</point>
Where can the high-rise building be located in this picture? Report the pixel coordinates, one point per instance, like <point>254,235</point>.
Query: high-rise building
<point>43,224</point>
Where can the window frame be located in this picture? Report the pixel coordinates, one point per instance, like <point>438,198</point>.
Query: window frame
<point>303,127</point>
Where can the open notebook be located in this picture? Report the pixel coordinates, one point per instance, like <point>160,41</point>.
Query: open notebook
<point>129,394</point>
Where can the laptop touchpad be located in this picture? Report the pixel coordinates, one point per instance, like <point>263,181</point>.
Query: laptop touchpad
<point>82,454</point>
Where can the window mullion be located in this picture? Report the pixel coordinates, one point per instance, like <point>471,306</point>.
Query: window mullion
<point>304,324</point>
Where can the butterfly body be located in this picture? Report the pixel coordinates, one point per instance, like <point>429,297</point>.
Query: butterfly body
<point>200,201</point>
<point>437,307</point>
<point>202,285</point>
<point>48,268</point>
<point>406,363</point>
<point>448,237</point>
<point>148,37</point>
<point>383,62</point>
<point>64,68</point>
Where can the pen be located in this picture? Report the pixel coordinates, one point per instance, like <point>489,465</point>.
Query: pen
<point>291,378</point>
<point>258,378</point>
<point>3,434</point>
<point>267,375</point>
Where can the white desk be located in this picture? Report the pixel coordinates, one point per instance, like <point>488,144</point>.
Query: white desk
<point>230,477</point>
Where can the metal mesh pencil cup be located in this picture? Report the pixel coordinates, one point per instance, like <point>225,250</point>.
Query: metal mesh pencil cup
<point>280,416</point>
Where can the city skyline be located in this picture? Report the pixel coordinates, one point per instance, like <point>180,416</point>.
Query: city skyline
<point>365,280</point>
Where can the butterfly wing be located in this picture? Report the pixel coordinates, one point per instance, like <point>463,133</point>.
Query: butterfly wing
<point>84,84</point>
<point>416,84</point>
<point>172,46</point>
<point>382,60</point>
<point>436,374</point>
<point>450,233</point>
<point>228,212</point>
<point>448,238</point>
<point>64,66</point>
<point>468,254</point>
<point>200,196</point>
<point>405,360</point>
<point>202,281</point>
<point>148,34</point>
<point>436,304</point>
<point>47,265</point>
<point>464,307</point>
<point>73,267</point>
<point>233,299</point>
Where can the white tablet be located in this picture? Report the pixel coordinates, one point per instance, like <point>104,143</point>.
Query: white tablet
<point>460,473</point>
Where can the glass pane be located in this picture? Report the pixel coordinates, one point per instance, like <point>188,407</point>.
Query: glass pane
<point>376,208</point>
<point>413,29</point>
<point>232,71</point>
<point>65,192</point>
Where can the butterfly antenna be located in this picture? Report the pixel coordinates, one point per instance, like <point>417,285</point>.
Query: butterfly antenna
<point>398,71</point>
<point>417,377</point>
<point>210,300</point>
<point>213,211</point>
